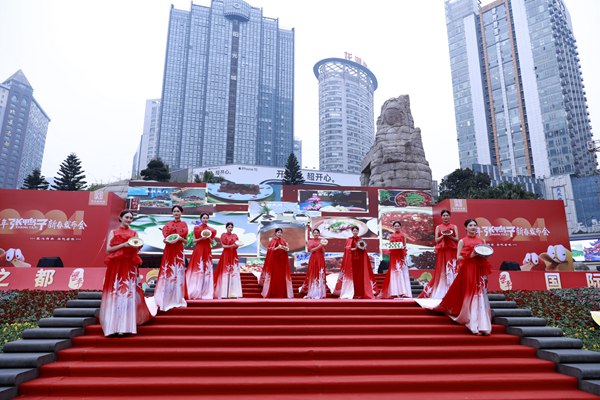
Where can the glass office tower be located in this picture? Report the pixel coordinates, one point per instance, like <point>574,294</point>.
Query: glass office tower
<point>519,99</point>
<point>346,122</point>
<point>228,88</point>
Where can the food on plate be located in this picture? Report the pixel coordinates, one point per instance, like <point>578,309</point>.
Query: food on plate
<point>338,226</point>
<point>395,245</point>
<point>361,244</point>
<point>447,232</point>
<point>172,238</point>
<point>410,198</point>
<point>135,242</point>
<point>324,242</point>
<point>241,188</point>
<point>417,226</point>
<point>206,233</point>
<point>483,250</point>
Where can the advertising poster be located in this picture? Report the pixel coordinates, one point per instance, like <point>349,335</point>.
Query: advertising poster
<point>161,199</point>
<point>72,226</point>
<point>404,198</point>
<point>242,193</point>
<point>333,201</point>
<point>526,235</point>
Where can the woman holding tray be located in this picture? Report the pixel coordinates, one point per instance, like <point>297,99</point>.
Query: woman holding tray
<point>228,283</point>
<point>356,279</point>
<point>446,239</point>
<point>314,285</point>
<point>466,301</point>
<point>123,304</point>
<point>276,270</point>
<point>397,280</point>
<point>199,275</point>
<point>170,289</point>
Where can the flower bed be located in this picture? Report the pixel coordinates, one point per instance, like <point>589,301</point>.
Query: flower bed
<point>568,309</point>
<point>21,309</point>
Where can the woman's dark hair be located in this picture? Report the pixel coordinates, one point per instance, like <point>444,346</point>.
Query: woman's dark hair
<point>469,220</point>
<point>396,222</point>
<point>278,230</point>
<point>316,229</point>
<point>123,213</point>
<point>444,211</point>
<point>203,214</point>
<point>227,224</point>
<point>178,207</point>
<point>354,227</point>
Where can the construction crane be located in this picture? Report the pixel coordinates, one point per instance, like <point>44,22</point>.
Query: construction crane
<point>593,145</point>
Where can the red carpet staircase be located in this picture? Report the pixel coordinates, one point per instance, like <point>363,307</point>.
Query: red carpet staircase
<point>298,349</point>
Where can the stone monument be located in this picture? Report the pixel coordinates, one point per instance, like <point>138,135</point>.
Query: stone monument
<point>397,158</point>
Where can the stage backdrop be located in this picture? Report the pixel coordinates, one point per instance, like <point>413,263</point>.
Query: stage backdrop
<point>527,235</point>
<point>70,225</point>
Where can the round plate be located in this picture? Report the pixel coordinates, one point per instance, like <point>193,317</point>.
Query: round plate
<point>264,192</point>
<point>172,238</point>
<point>325,227</point>
<point>484,250</point>
<point>135,242</point>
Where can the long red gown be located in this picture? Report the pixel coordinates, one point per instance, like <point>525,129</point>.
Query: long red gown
<point>199,274</point>
<point>277,278</point>
<point>227,275</point>
<point>315,285</point>
<point>356,279</point>
<point>466,301</point>
<point>123,304</point>
<point>170,289</point>
<point>397,279</point>
<point>445,266</point>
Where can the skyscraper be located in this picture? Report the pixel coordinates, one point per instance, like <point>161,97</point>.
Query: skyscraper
<point>147,148</point>
<point>23,128</point>
<point>518,91</point>
<point>346,121</point>
<point>228,88</point>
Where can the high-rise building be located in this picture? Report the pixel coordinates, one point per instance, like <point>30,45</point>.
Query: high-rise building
<point>346,121</point>
<point>147,148</point>
<point>228,88</point>
<point>23,128</point>
<point>519,99</point>
<point>298,150</point>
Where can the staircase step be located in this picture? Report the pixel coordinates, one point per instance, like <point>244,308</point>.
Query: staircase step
<point>569,356</point>
<point>25,360</point>
<point>76,312</point>
<point>36,345</point>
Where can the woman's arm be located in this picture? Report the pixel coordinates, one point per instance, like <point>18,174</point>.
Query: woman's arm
<point>112,249</point>
<point>459,250</point>
<point>438,236</point>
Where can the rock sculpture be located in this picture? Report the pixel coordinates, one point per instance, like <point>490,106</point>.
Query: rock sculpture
<point>397,158</point>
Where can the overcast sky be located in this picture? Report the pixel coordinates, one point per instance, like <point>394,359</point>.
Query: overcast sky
<point>93,64</point>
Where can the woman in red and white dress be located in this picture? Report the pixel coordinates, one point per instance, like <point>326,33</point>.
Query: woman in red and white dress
<point>277,278</point>
<point>446,239</point>
<point>170,289</point>
<point>199,274</point>
<point>123,304</point>
<point>228,283</point>
<point>315,285</point>
<point>356,279</point>
<point>466,301</point>
<point>397,280</point>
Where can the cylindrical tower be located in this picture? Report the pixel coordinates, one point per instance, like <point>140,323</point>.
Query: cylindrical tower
<point>346,121</point>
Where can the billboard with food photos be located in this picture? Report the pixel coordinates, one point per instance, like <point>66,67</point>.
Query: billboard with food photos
<point>36,224</point>
<point>333,201</point>
<point>526,235</point>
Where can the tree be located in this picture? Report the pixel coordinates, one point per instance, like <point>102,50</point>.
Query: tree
<point>70,175</point>
<point>156,170</point>
<point>465,184</point>
<point>510,190</point>
<point>208,177</point>
<point>292,174</point>
<point>35,181</point>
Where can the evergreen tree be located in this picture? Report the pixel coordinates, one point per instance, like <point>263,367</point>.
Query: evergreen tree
<point>292,174</point>
<point>35,181</point>
<point>465,184</point>
<point>70,175</point>
<point>156,171</point>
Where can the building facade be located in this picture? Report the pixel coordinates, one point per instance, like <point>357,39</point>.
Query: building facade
<point>228,88</point>
<point>23,129</point>
<point>346,119</point>
<point>519,99</point>
<point>147,148</point>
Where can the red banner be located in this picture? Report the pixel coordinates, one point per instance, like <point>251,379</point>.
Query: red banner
<point>48,224</point>
<point>93,278</point>
<point>526,235</point>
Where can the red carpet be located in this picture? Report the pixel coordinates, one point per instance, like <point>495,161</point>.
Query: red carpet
<point>300,349</point>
